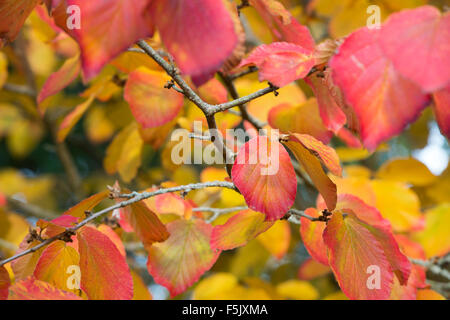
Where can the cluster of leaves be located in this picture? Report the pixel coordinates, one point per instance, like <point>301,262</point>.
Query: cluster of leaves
<point>336,101</point>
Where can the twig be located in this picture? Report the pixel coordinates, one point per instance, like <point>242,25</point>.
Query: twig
<point>29,209</point>
<point>132,198</point>
<point>17,88</point>
<point>432,267</point>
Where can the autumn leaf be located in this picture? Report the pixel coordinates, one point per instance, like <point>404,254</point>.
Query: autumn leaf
<point>280,63</point>
<point>24,266</point>
<point>311,153</point>
<point>104,271</point>
<point>32,289</point>
<point>151,104</point>
<point>441,110</point>
<point>123,21</point>
<point>264,174</point>
<point>276,239</point>
<point>145,223</point>
<point>311,232</point>
<point>416,41</point>
<point>178,262</point>
<point>202,28</point>
<point>311,269</point>
<point>239,230</point>
<point>60,79</point>
<point>303,118</point>
<point>72,118</point>
<point>383,100</point>
<point>13,14</point>
<point>87,204</point>
<point>53,265</point>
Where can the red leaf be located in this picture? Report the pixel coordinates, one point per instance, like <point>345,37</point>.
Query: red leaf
<point>60,79</point>
<point>104,271</point>
<point>264,174</point>
<point>202,38</point>
<point>239,230</point>
<point>108,28</point>
<point>360,240</point>
<point>13,14</point>
<point>32,289</point>
<point>5,282</point>
<point>330,100</point>
<point>416,41</point>
<point>283,25</point>
<point>442,110</point>
<point>151,104</point>
<point>311,232</point>
<point>281,62</point>
<point>383,101</point>
<point>179,262</point>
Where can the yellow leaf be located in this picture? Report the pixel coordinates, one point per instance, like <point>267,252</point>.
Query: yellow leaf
<point>435,238</point>
<point>406,170</point>
<point>399,204</point>
<point>277,239</point>
<point>297,290</point>
<point>124,153</point>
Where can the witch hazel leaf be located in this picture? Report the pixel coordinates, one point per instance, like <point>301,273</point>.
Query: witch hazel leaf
<point>282,24</point>
<point>33,289</point>
<point>72,119</point>
<point>145,223</point>
<point>311,232</point>
<point>101,21</point>
<point>416,41</point>
<point>104,271</point>
<point>280,63</point>
<point>311,153</point>
<point>5,282</point>
<point>13,14</point>
<point>441,110</point>
<point>114,237</point>
<point>303,118</point>
<point>239,230</point>
<point>54,264</point>
<point>178,262</point>
<point>382,230</point>
<point>264,174</point>
<point>202,27</point>
<point>60,79</point>
<point>151,104</point>
<point>355,255</point>
<point>383,100</point>
<point>329,98</point>
<point>79,210</point>
<point>24,266</point>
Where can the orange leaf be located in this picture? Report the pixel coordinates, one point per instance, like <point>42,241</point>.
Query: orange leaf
<point>239,230</point>
<point>264,174</point>
<point>72,119</point>
<point>311,269</point>
<point>54,262</point>
<point>60,79</point>
<point>151,104</point>
<point>312,232</point>
<point>87,204</point>
<point>114,237</point>
<point>13,14</point>
<point>24,266</point>
<point>179,262</point>
<point>104,271</point>
<point>303,118</point>
<point>32,289</point>
<point>308,151</point>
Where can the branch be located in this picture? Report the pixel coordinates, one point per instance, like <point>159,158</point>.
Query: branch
<point>29,209</point>
<point>433,267</point>
<point>132,198</point>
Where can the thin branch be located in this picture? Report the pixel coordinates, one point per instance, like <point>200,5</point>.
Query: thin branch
<point>29,209</point>
<point>432,267</point>
<point>132,198</point>
<point>20,89</point>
